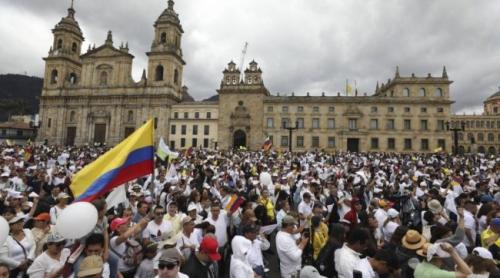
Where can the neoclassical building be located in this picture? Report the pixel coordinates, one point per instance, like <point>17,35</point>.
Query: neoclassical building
<point>92,98</point>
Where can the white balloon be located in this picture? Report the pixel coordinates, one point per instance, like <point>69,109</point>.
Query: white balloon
<point>77,220</point>
<point>4,230</point>
<point>265,178</point>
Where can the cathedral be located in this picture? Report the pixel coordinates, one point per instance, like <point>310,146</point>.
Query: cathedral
<point>92,98</point>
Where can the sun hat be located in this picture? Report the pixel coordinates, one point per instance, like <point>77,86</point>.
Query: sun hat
<point>435,206</point>
<point>310,272</point>
<point>209,245</point>
<point>186,220</point>
<point>91,265</point>
<point>413,240</point>
<point>170,255</point>
<point>117,222</point>
<point>289,220</point>
<point>16,219</point>
<point>168,239</point>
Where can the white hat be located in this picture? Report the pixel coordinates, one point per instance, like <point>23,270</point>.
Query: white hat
<point>483,253</point>
<point>5,174</point>
<point>191,207</point>
<point>392,213</point>
<point>310,272</point>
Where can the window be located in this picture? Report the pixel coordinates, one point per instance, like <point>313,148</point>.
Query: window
<point>205,143</point>
<point>59,44</point>
<point>159,73</point>
<point>315,123</point>
<point>183,129</point>
<point>72,78</point>
<point>163,37</point>
<point>331,109</point>
<point>183,142</point>
<point>406,92</point>
<point>284,109</point>
<point>421,92</point>
<point>407,143</point>
<point>74,47</point>
<point>374,124</point>
<point>440,109</point>
<point>316,109</point>
<point>442,144</point>
<point>407,109</point>
<point>176,76</point>
<point>285,122</point>
<point>460,136</point>
<point>480,136</point>
<point>206,130</point>
<point>374,143</point>
<point>49,124</point>
<point>155,122</point>
<point>315,142</point>
<point>72,116</point>
<point>374,109</point>
<point>19,132</point>
<point>391,143</point>
<point>209,115</point>
<point>300,122</point>
<point>269,109</point>
<point>284,141</point>
<point>438,92</point>
<point>172,144</point>
<point>195,129</point>
<point>495,109</point>
<point>176,115</point>
<point>407,124</point>
<point>390,109</point>
<point>300,109</point>
<point>491,137</point>
<point>424,144</point>
<point>173,129</point>
<point>440,124</point>
<point>4,132</point>
<point>103,80</point>
<point>194,142</point>
<point>353,124</point>
<point>186,115</point>
<point>270,122</point>
<point>423,125</point>
<point>423,109</point>
<point>130,116</point>
<point>390,124</point>
<point>53,77</point>
<point>331,142</point>
<point>331,123</point>
<point>196,115</point>
<point>300,141</point>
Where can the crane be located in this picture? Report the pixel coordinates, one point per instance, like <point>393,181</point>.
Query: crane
<point>243,53</point>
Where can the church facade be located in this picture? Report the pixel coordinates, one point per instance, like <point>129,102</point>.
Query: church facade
<point>92,98</point>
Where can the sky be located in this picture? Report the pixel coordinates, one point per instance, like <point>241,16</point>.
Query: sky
<point>301,45</point>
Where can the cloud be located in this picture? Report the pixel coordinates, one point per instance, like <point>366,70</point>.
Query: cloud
<point>301,46</point>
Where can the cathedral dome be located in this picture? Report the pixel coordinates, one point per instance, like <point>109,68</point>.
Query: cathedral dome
<point>495,95</point>
<point>69,24</point>
<point>169,16</point>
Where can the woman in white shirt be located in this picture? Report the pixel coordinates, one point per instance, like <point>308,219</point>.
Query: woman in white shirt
<point>51,262</point>
<point>391,224</point>
<point>55,211</point>
<point>19,249</point>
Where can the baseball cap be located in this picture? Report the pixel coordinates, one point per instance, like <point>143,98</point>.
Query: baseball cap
<point>483,253</point>
<point>62,195</point>
<point>191,207</point>
<point>186,220</point>
<point>170,255</point>
<point>118,222</point>
<point>55,238</point>
<point>209,245</point>
<point>310,272</point>
<point>42,217</point>
<point>91,265</point>
<point>289,220</point>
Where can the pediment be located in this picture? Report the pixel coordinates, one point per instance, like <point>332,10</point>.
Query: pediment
<point>106,51</point>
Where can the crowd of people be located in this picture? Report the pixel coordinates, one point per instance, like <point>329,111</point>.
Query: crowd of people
<point>211,214</point>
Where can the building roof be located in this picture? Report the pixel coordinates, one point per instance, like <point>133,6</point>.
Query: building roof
<point>15,125</point>
<point>495,95</point>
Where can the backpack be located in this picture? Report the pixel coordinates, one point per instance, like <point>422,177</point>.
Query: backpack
<point>133,253</point>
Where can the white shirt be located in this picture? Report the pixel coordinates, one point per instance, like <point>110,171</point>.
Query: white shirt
<point>183,240</point>
<point>279,217</point>
<point>366,269</point>
<point>289,253</point>
<point>11,252</point>
<point>179,275</point>
<point>154,231</point>
<point>55,211</point>
<point>254,255</point>
<point>220,227</point>
<point>381,216</point>
<point>388,230</point>
<point>120,249</point>
<point>345,261</point>
<point>470,223</point>
<point>305,209</point>
<point>44,264</point>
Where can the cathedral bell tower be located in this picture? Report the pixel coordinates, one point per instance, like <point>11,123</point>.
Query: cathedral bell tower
<point>165,63</point>
<point>63,64</point>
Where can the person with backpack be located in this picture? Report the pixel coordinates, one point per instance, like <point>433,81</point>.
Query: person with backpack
<point>125,247</point>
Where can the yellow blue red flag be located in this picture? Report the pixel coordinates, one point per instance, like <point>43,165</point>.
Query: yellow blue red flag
<point>132,158</point>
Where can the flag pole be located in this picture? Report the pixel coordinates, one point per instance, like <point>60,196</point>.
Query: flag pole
<point>152,184</point>
<point>346,86</point>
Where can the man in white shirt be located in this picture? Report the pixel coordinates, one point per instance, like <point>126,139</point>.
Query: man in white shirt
<point>187,241</point>
<point>289,253</point>
<point>381,212</point>
<point>156,227</point>
<point>305,208</point>
<point>383,263</point>
<point>347,257</point>
<point>470,224</point>
<point>259,243</point>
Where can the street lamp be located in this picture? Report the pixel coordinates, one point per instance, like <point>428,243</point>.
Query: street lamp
<point>455,134</point>
<point>290,129</point>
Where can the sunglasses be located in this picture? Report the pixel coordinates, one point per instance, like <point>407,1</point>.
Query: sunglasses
<point>168,266</point>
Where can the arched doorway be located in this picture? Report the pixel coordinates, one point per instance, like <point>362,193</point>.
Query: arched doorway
<point>481,149</point>
<point>239,139</point>
<point>491,150</point>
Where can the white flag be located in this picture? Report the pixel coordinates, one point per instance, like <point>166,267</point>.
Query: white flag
<point>117,196</point>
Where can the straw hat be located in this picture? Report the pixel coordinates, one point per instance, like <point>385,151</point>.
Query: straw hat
<point>435,206</point>
<point>413,240</point>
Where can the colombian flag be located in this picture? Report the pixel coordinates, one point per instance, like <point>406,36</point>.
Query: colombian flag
<point>130,159</point>
<point>234,203</point>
